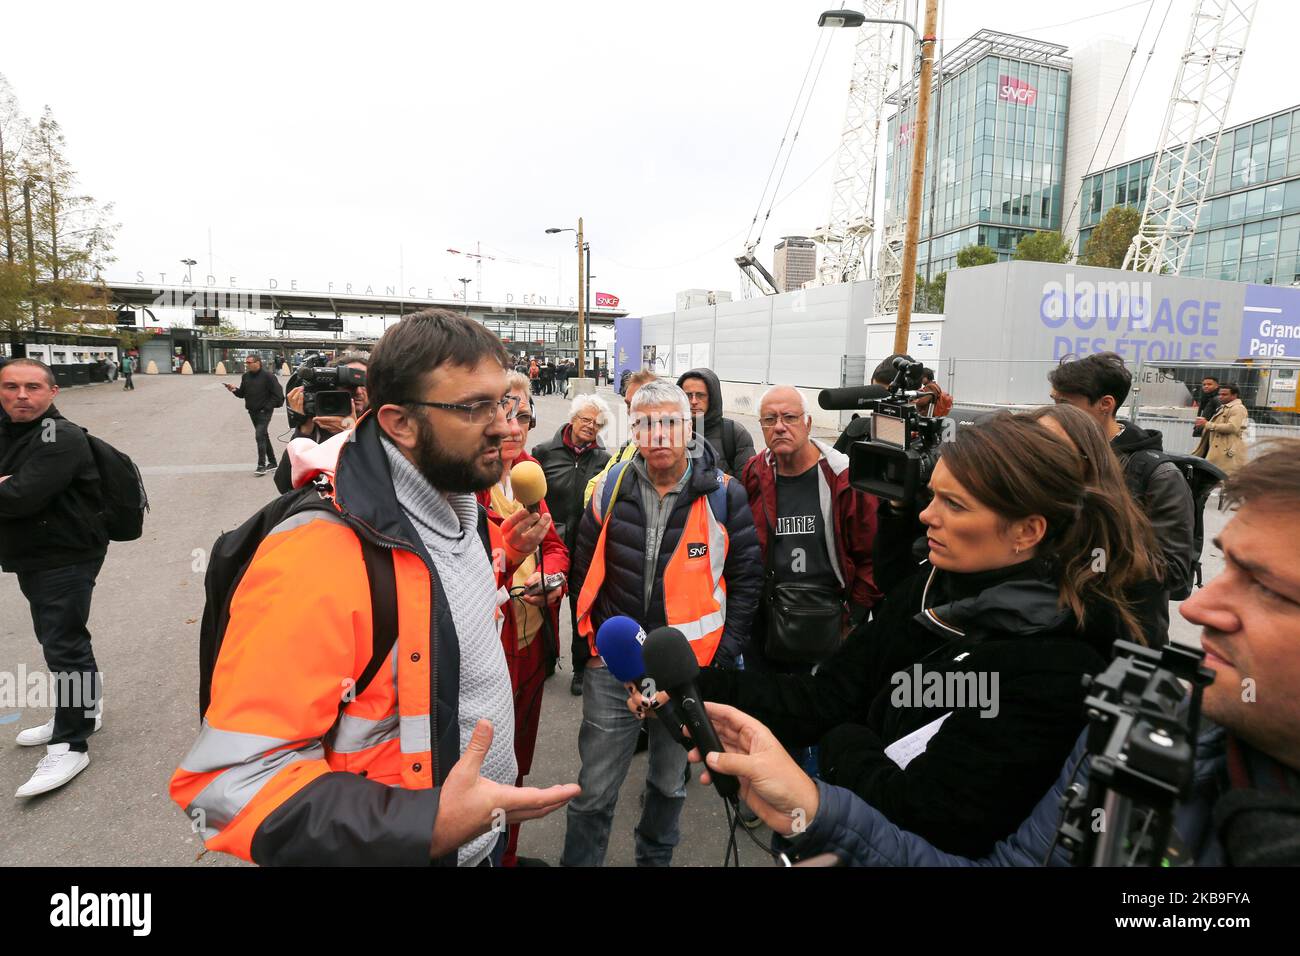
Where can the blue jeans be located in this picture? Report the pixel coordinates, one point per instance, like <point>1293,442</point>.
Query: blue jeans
<point>605,744</point>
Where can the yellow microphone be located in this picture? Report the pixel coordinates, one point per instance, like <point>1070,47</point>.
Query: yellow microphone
<point>529,484</point>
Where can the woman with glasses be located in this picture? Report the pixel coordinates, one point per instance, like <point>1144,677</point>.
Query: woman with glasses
<point>571,459</point>
<point>530,632</point>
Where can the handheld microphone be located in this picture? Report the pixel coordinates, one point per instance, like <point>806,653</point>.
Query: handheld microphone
<point>671,664</point>
<point>853,397</point>
<point>529,484</point>
<point>618,641</point>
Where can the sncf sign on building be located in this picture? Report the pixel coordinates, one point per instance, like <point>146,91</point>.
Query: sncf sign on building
<point>1016,91</point>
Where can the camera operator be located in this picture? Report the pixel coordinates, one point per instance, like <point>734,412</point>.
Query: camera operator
<point>1007,598</point>
<point>321,427</point>
<point>1242,808</point>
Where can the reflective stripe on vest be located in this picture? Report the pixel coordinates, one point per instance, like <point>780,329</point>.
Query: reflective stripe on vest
<point>695,591</point>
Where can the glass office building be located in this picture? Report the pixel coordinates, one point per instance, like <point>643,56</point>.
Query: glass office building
<point>1249,230</point>
<point>996,154</point>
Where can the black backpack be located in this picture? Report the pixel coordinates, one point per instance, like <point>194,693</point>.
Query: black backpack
<point>122,488</point>
<point>233,552</point>
<point>1201,477</point>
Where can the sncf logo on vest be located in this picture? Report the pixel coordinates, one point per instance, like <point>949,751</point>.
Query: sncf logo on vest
<point>696,550</point>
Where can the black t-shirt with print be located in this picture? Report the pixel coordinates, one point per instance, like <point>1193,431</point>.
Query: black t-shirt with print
<point>799,551</point>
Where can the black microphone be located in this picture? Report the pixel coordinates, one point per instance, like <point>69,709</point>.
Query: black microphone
<point>856,396</point>
<point>618,641</point>
<point>671,664</point>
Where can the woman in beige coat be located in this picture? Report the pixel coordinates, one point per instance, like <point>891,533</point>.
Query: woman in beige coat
<point>1223,441</point>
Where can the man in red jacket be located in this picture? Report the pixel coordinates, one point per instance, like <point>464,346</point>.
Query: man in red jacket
<point>813,526</point>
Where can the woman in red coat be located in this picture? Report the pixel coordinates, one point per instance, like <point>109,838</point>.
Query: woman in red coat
<point>530,633</point>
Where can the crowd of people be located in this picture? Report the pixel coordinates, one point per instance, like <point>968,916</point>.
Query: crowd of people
<point>547,378</point>
<point>815,611</point>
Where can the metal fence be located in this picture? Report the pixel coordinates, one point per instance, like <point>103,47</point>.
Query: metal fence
<point>1164,397</point>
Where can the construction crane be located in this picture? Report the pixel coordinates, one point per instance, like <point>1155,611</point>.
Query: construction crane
<point>1189,141</point>
<point>478,256</point>
<point>848,233</point>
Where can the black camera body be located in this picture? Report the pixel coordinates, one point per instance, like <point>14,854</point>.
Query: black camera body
<point>896,461</point>
<point>327,390</point>
<point>1142,743</point>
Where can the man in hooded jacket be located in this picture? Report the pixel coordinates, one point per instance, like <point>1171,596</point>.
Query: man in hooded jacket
<point>730,439</point>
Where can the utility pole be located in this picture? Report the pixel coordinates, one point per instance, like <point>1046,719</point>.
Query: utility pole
<point>920,130</point>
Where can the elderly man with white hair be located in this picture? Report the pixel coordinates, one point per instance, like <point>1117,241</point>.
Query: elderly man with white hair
<point>816,533</point>
<point>571,459</point>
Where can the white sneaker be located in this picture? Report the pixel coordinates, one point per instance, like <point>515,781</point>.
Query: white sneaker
<point>59,765</point>
<point>38,736</point>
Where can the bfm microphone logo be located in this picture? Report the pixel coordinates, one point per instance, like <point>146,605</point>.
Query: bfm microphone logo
<point>1017,91</point>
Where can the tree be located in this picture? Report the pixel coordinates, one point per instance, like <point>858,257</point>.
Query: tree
<point>71,234</point>
<point>13,137</point>
<point>929,295</point>
<point>1110,240</point>
<point>974,255</point>
<point>1042,246</point>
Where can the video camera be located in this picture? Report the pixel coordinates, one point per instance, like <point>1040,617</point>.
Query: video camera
<point>1142,741</point>
<point>896,461</point>
<point>327,390</point>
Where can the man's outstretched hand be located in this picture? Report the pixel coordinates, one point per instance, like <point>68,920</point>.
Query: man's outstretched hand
<point>470,804</point>
<point>775,787</point>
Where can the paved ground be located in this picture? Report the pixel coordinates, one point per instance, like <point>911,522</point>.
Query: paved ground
<point>195,445</point>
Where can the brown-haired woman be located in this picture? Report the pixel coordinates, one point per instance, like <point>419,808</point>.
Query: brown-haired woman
<point>1148,600</point>
<point>952,711</point>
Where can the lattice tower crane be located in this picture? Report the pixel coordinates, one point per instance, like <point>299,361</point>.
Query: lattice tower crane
<point>1189,141</point>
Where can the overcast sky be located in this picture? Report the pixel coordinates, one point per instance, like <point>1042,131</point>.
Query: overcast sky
<point>355,143</point>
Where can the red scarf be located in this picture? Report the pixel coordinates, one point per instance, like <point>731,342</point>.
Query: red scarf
<point>567,436</point>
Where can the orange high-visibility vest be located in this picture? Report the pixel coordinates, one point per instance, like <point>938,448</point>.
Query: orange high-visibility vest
<point>695,592</point>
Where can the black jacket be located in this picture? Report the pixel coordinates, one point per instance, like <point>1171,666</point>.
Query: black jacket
<point>1166,500</point>
<point>625,552</point>
<point>50,507</point>
<point>1205,408</point>
<point>567,474</point>
<point>260,391</point>
<point>723,434</point>
<point>979,776</point>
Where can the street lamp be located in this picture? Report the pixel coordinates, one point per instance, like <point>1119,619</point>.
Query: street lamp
<point>581,380</point>
<point>907,288</point>
<point>464,292</point>
<point>188,263</point>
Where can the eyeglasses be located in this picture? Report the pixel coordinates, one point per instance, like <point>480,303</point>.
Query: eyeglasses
<point>645,422</point>
<point>480,413</point>
<point>524,419</point>
<point>768,422</point>
<point>582,420</point>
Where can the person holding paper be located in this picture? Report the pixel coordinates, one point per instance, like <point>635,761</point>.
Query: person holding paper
<point>952,710</point>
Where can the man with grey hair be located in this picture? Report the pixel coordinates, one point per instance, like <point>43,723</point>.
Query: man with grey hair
<point>667,540</point>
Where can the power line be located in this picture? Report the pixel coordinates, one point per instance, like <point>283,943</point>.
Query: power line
<point>731,238</point>
<point>1119,87</point>
<point>781,146</point>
